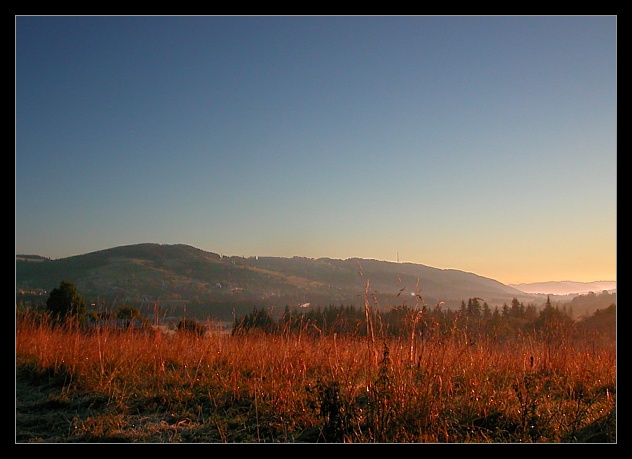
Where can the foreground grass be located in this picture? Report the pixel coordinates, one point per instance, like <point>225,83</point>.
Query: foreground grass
<point>130,386</point>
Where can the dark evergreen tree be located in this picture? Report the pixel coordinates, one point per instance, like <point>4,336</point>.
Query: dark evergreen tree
<point>551,315</point>
<point>487,312</point>
<point>473,307</point>
<point>258,319</point>
<point>516,310</point>
<point>530,312</point>
<point>64,302</point>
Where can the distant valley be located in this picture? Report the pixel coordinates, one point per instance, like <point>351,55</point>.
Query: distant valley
<point>566,287</point>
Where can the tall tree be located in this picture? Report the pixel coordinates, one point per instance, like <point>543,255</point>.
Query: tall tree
<point>64,302</point>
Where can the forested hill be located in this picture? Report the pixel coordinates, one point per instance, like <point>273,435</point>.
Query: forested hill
<point>147,272</point>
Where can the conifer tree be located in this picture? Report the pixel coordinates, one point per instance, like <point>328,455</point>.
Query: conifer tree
<point>64,302</point>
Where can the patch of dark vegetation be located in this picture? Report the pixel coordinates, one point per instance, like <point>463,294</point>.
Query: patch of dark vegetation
<point>602,430</point>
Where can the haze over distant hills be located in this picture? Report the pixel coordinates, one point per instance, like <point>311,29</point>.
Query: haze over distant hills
<point>566,287</point>
<point>148,272</point>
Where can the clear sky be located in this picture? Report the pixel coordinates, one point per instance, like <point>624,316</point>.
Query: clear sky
<point>485,144</point>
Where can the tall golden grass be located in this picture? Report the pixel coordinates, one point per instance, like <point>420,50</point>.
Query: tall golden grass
<point>147,386</point>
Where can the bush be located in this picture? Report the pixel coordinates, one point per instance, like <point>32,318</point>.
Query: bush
<point>191,326</point>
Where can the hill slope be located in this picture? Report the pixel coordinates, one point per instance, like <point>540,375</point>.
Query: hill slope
<point>148,272</point>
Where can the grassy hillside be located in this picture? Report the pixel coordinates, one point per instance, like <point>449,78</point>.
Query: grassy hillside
<point>148,272</point>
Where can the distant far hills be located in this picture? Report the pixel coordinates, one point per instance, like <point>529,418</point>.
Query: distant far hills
<point>149,273</point>
<point>566,287</point>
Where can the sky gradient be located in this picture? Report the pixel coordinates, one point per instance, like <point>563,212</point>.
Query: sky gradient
<point>485,144</point>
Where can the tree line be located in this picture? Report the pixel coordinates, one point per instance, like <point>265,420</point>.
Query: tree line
<point>65,304</point>
<point>475,316</point>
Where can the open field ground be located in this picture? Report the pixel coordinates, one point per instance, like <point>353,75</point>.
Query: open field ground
<point>450,386</point>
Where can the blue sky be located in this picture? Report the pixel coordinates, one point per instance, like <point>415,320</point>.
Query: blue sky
<point>485,144</point>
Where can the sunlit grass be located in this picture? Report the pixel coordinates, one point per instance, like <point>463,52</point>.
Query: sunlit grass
<point>147,386</point>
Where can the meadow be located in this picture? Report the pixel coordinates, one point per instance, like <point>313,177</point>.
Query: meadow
<point>447,385</point>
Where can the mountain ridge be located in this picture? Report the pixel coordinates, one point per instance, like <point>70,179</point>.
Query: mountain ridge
<point>149,272</point>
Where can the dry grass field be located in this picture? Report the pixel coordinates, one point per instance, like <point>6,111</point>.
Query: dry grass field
<point>113,386</point>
